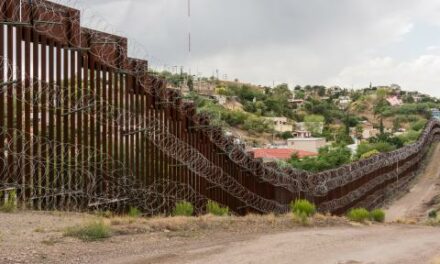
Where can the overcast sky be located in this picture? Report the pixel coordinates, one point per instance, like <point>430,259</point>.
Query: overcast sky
<point>339,42</point>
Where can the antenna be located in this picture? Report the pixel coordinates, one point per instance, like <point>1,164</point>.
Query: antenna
<point>189,36</point>
<point>189,22</point>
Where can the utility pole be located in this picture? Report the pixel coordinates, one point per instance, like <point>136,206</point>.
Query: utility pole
<point>189,36</point>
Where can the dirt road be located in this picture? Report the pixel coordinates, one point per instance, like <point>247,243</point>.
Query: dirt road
<point>37,237</point>
<point>414,205</point>
<point>377,244</point>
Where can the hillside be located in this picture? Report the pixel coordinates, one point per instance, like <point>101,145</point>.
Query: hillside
<point>374,119</point>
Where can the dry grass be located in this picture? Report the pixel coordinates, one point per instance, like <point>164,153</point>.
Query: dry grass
<point>249,223</point>
<point>406,221</point>
<point>92,231</point>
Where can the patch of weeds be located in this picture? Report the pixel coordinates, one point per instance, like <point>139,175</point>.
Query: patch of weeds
<point>134,212</point>
<point>216,209</point>
<point>303,207</point>
<point>302,210</point>
<point>301,218</point>
<point>358,215</point>
<point>183,209</point>
<point>92,231</point>
<point>106,213</point>
<point>10,204</point>
<point>377,215</point>
<point>432,214</point>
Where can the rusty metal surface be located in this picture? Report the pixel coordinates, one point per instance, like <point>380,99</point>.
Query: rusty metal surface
<point>84,126</point>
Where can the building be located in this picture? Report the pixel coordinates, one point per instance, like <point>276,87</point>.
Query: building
<point>436,113</point>
<point>280,154</point>
<point>394,101</point>
<point>296,103</point>
<point>368,130</point>
<point>281,124</point>
<point>344,102</point>
<point>306,144</point>
<point>302,134</point>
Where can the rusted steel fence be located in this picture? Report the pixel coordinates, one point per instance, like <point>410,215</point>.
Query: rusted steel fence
<point>84,126</point>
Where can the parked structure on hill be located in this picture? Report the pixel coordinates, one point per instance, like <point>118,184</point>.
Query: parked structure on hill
<point>307,144</point>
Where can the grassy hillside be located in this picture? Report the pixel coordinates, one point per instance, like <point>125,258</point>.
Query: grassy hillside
<point>343,113</point>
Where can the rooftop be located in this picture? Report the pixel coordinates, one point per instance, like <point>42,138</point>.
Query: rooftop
<point>282,154</point>
<point>302,139</point>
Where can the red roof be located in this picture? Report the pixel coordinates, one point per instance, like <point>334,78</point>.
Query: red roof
<point>281,153</point>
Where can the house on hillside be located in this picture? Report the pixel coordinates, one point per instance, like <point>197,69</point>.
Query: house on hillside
<point>296,103</point>
<point>310,144</point>
<point>335,90</point>
<point>394,101</point>
<point>344,102</point>
<point>281,124</point>
<point>368,130</point>
<point>280,154</point>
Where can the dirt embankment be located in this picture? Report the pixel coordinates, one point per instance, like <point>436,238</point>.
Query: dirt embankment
<point>37,237</point>
<point>423,195</point>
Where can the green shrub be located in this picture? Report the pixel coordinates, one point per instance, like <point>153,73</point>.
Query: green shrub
<point>432,214</point>
<point>419,125</point>
<point>183,209</point>
<point>215,209</point>
<point>10,204</point>
<point>370,154</point>
<point>303,208</point>
<point>90,232</point>
<point>134,212</point>
<point>358,215</point>
<point>377,215</point>
<point>328,158</point>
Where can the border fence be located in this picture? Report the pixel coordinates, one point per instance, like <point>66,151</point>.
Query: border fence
<point>84,126</point>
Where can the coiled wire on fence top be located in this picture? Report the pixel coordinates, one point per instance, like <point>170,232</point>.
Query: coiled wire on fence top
<point>81,172</point>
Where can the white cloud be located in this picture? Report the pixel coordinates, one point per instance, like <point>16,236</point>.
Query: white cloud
<point>421,74</point>
<point>293,41</point>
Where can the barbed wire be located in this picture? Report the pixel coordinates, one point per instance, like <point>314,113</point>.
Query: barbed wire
<point>60,23</point>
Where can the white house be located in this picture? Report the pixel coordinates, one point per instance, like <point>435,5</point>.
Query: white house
<point>344,102</point>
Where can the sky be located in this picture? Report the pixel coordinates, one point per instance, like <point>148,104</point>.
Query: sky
<point>348,43</point>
